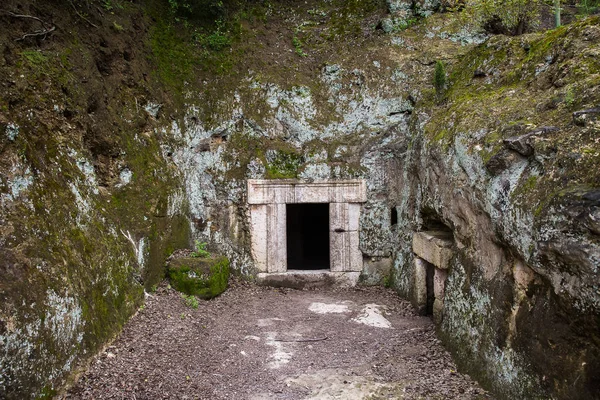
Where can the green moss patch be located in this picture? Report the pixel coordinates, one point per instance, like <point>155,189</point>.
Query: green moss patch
<point>202,277</point>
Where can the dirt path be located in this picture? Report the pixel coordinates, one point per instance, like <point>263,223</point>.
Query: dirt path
<point>262,343</point>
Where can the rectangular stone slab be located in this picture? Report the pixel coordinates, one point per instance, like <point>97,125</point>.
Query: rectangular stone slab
<point>276,238</point>
<point>419,297</point>
<point>258,228</point>
<point>344,252</point>
<point>289,191</point>
<point>344,217</point>
<point>439,283</point>
<point>434,247</point>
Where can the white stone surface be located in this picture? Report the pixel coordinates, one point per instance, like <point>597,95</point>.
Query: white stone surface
<point>281,354</point>
<point>372,316</point>
<point>434,247</point>
<point>324,308</point>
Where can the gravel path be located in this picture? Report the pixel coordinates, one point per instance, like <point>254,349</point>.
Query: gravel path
<point>262,343</point>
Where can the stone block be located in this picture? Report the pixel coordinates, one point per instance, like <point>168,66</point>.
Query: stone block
<point>376,270</point>
<point>438,311</point>
<point>344,217</point>
<point>202,277</point>
<point>258,230</point>
<point>434,247</point>
<point>344,252</point>
<point>419,297</point>
<point>308,279</point>
<point>439,283</point>
<point>276,238</point>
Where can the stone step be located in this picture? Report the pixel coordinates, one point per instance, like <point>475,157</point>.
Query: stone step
<point>308,279</point>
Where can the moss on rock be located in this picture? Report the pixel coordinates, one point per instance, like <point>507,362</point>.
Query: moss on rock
<point>202,277</point>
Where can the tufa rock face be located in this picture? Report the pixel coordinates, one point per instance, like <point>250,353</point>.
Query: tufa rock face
<point>96,189</point>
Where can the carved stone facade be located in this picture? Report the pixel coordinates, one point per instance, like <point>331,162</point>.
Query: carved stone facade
<point>268,199</point>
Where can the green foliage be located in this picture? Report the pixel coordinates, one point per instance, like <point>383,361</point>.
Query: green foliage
<point>47,393</point>
<point>298,46</point>
<point>201,251</point>
<point>107,5</point>
<point>387,281</point>
<point>197,10</point>
<point>117,27</point>
<point>217,40</point>
<point>110,5</point>
<point>190,301</point>
<point>569,97</point>
<point>283,165</point>
<point>174,57</point>
<point>511,17</point>
<point>34,58</point>
<point>588,7</point>
<point>439,78</point>
<point>402,24</point>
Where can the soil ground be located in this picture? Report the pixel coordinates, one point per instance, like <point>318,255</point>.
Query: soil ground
<point>259,343</point>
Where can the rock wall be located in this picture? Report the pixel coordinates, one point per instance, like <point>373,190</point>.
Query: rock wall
<point>518,188</point>
<point>89,205</point>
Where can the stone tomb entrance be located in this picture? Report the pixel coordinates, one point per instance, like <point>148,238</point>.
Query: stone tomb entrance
<point>434,251</point>
<point>298,225</point>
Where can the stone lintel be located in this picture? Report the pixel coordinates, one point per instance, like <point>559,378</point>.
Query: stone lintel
<point>290,191</point>
<point>434,247</point>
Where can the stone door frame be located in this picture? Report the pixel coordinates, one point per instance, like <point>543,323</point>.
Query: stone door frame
<point>268,199</point>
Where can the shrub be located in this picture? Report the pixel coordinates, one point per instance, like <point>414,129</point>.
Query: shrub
<point>439,78</point>
<point>510,17</point>
<point>201,251</point>
<point>588,7</point>
<point>217,40</point>
<point>190,301</point>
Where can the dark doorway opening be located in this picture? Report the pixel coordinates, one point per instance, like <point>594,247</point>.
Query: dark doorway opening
<point>307,229</point>
<point>430,290</point>
<point>394,217</point>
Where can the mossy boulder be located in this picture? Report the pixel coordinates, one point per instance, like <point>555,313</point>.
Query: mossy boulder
<point>202,277</point>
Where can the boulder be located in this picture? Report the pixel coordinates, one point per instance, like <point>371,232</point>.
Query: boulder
<point>584,117</point>
<point>202,277</point>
